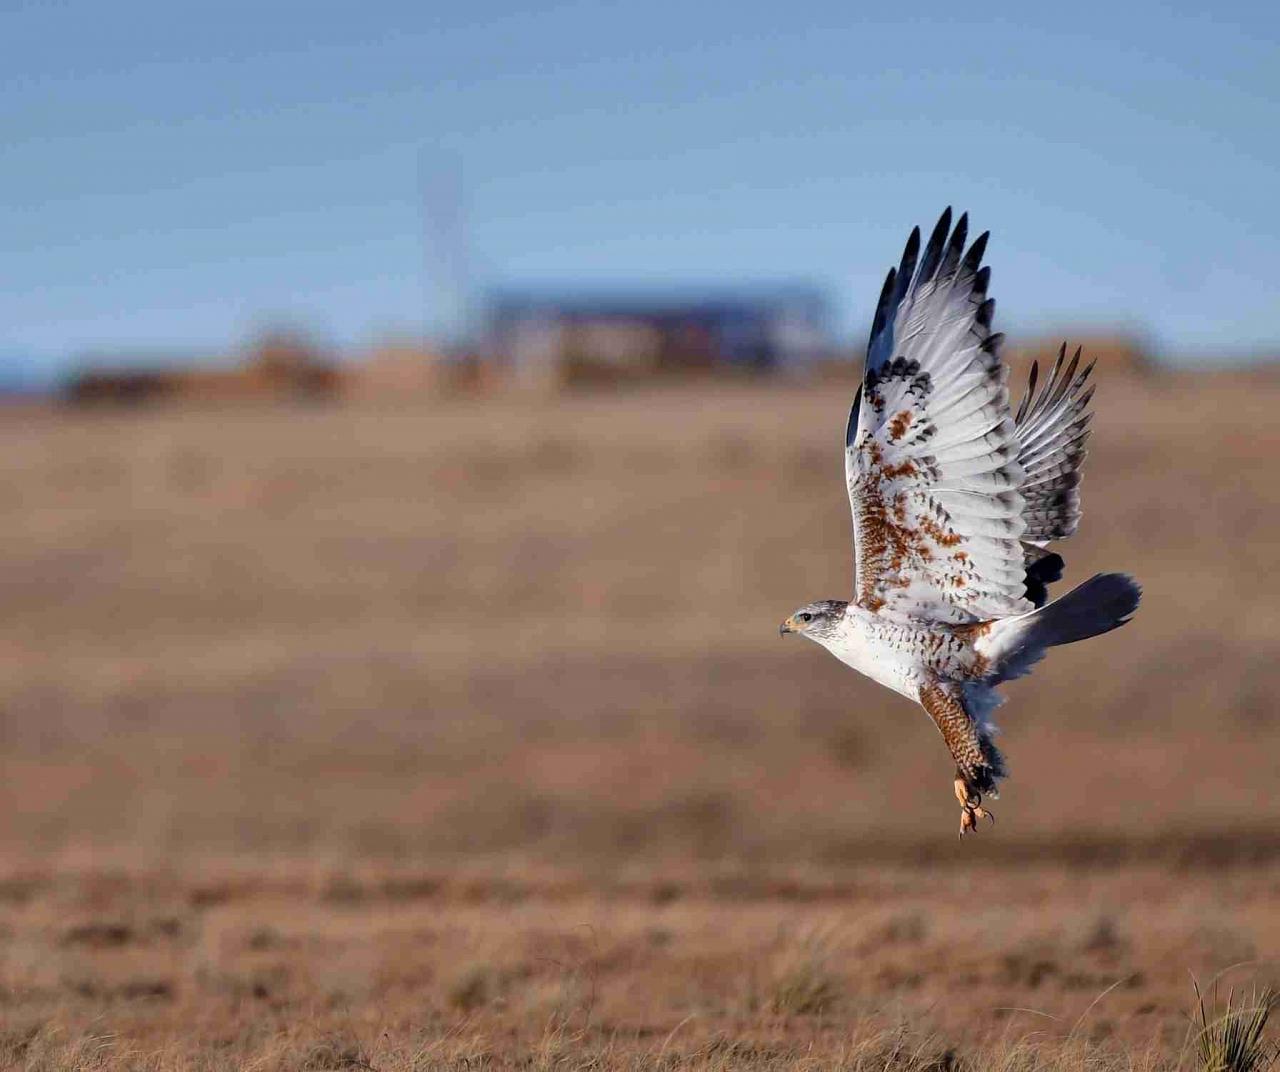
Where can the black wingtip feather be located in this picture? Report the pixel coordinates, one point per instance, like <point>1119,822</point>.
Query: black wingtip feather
<point>955,247</point>
<point>974,257</point>
<point>1068,379</point>
<point>910,254</point>
<point>1051,382</point>
<point>985,312</point>
<point>933,251</point>
<point>882,307</point>
<point>907,267</point>
<point>1031,390</point>
<point>981,281</point>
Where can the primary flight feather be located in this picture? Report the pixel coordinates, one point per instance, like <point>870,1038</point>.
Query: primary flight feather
<point>955,500</point>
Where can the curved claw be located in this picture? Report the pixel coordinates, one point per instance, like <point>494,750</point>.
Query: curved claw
<point>971,809</point>
<point>969,816</point>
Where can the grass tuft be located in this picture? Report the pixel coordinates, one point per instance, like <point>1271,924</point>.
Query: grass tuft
<point>805,985</point>
<point>333,1055</point>
<point>1234,1041</point>
<point>474,986</point>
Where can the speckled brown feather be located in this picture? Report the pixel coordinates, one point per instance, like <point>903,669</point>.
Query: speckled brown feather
<point>978,761</point>
<point>954,501</point>
<point>929,451</point>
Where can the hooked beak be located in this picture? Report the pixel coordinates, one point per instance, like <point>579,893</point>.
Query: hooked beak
<point>789,626</point>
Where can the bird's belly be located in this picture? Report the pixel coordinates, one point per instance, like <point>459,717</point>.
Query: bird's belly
<point>882,663</point>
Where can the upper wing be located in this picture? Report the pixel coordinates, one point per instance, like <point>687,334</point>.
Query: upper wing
<point>930,450</point>
<point>1052,428</point>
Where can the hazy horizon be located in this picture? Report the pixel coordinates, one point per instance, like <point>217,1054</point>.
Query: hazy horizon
<point>172,180</point>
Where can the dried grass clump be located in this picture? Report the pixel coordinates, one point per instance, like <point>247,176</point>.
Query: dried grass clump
<point>1234,1042</point>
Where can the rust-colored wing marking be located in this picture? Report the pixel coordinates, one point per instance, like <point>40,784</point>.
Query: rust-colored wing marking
<point>930,455</point>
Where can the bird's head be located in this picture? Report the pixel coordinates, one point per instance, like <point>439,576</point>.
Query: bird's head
<point>813,619</point>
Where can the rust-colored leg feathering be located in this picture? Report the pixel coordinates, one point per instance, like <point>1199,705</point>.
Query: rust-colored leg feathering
<point>978,761</point>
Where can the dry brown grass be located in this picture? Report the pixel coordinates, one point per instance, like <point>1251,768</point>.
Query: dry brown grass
<point>459,736</point>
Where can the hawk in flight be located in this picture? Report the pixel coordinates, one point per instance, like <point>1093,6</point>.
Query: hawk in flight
<point>955,501</point>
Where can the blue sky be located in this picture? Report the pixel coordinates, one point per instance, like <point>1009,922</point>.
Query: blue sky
<point>173,176</point>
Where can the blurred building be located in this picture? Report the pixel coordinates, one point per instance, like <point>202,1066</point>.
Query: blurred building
<point>550,339</point>
<point>279,365</point>
<point>409,369</point>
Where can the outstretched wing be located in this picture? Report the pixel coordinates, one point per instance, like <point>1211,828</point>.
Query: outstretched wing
<point>1052,428</point>
<point>930,450</point>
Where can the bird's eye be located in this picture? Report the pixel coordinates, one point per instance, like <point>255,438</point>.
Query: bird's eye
<point>805,617</point>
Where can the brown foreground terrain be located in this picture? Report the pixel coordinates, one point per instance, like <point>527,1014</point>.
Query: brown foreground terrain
<point>459,735</point>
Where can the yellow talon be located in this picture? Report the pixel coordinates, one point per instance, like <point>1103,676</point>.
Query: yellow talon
<point>971,809</point>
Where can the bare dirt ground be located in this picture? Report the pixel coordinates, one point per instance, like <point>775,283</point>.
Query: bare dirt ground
<point>460,735</point>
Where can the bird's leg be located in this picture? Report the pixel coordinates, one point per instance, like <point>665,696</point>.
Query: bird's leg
<point>971,809</point>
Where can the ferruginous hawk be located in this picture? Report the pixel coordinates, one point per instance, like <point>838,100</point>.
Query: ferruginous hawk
<point>955,500</point>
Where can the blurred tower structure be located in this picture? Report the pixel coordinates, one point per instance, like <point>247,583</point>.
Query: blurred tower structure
<point>449,306</point>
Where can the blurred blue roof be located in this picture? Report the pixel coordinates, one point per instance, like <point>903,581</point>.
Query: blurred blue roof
<point>783,298</point>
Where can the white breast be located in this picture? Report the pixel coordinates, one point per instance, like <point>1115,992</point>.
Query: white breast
<point>881,651</point>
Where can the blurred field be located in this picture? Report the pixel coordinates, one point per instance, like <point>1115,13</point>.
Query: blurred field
<point>461,733</point>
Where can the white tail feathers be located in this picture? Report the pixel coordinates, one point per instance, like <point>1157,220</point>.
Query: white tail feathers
<point>1104,602</point>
